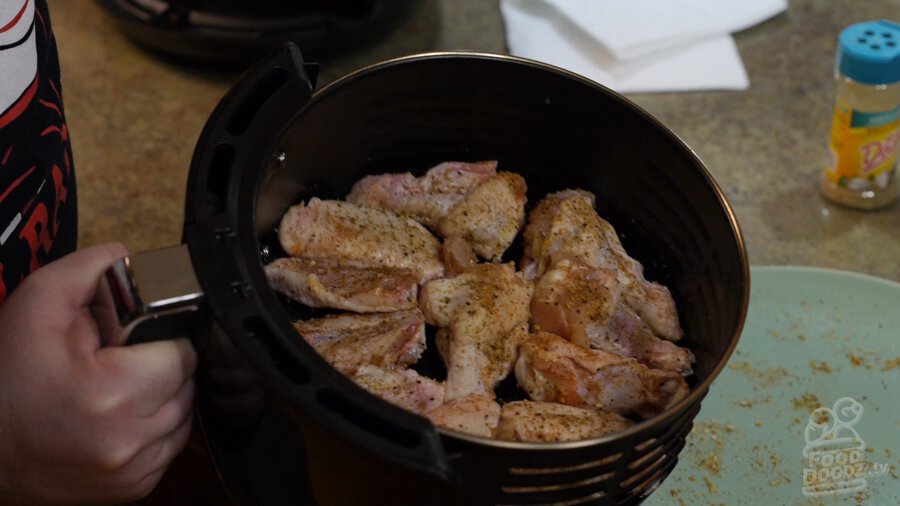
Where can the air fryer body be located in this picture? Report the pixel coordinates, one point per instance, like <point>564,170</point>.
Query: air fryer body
<point>240,31</point>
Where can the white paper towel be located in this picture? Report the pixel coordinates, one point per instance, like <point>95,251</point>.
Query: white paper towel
<point>638,45</point>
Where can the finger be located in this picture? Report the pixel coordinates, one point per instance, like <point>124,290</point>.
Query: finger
<point>53,294</point>
<point>141,475</point>
<point>132,479</point>
<point>149,374</point>
<point>173,413</point>
<point>156,456</point>
<point>75,276</point>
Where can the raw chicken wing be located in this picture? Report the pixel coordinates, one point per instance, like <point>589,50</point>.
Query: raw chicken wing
<point>484,313</point>
<point>490,216</point>
<point>403,387</point>
<point>330,283</point>
<point>427,199</point>
<point>469,200</point>
<point>361,236</point>
<point>544,422</point>
<point>550,368</point>
<point>585,306</point>
<point>349,341</point>
<point>472,414</point>
<point>565,225</point>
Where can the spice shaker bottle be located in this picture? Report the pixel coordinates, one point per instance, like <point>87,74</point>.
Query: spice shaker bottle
<point>865,129</point>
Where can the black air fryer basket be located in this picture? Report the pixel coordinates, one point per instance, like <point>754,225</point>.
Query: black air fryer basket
<point>283,426</point>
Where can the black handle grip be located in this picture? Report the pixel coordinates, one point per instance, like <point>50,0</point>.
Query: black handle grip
<point>265,97</point>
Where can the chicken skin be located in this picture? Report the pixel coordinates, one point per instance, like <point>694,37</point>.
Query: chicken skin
<point>551,422</point>
<point>329,283</point>
<point>590,340</point>
<point>483,314</point>
<point>402,387</point>
<point>458,255</point>
<point>490,216</point>
<point>565,225</point>
<point>552,369</point>
<point>585,306</point>
<point>468,200</point>
<point>349,341</point>
<point>473,414</point>
<point>360,236</point>
<point>427,199</point>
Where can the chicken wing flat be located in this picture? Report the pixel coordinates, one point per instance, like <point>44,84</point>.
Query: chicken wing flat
<point>490,216</point>
<point>552,369</point>
<point>472,414</point>
<point>565,225</point>
<point>428,198</point>
<point>348,341</point>
<point>550,422</point>
<point>484,315</point>
<point>403,387</point>
<point>628,335</point>
<point>361,236</point>
<point>585,306</point>
<point>329,283</point>
<point>468,200</point>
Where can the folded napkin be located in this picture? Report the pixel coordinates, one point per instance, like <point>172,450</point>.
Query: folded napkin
<point>638,45</point>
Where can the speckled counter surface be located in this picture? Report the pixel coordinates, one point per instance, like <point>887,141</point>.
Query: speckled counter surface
<point>134,118</point>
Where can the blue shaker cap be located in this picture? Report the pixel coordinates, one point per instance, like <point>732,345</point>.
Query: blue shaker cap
<point>869,52</point>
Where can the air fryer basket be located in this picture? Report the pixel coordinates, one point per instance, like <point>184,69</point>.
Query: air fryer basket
<point>273,142</point>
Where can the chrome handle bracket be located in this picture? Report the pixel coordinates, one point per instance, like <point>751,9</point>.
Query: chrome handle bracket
<point>148,296</point>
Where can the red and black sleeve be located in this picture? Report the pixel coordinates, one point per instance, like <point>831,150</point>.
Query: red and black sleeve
<point>38,218</point>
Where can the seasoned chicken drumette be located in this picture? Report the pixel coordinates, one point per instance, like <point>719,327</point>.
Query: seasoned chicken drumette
<point>550,368</point>
<point>585,305</point>
<point>565,225</point>
<point>546,422</point>
<point>467,200</point>
<point>360,236</point>
<point>483,313</point>
<point>330,283</point>
<point>348,341</point>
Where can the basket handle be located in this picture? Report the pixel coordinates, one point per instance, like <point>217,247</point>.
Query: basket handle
<point>241,133</point>
<point>148,296</point>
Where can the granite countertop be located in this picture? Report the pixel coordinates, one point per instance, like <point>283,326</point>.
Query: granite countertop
<point>134,118</point>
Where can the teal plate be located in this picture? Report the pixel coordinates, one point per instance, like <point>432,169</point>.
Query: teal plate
<point>814,339</point>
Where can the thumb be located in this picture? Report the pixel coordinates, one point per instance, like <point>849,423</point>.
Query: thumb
<point>75,276</point>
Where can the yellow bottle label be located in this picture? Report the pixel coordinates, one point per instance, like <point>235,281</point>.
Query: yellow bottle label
<point>863,147</point>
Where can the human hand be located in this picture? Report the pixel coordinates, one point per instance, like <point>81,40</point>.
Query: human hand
<point>80,422</point>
